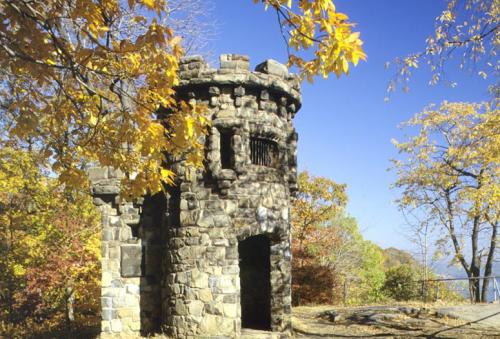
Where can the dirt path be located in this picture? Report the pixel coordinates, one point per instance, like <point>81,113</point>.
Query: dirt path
<point>484,314</point>
<point>397,322</point>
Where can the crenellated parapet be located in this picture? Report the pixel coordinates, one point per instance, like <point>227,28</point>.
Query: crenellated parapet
<point>269,83</point>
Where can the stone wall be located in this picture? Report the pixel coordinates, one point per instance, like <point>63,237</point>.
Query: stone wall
<point>171,263</point>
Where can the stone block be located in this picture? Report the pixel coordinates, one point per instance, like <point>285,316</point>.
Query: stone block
<point>198,279</point>
<point>132,289</point>
<point>234,62</point>
<point>210,324</point>
<point>213,90</point>
<point>114,252</point>
<point>191,58</point>
<point>108,314</point>
<point>230,299</point>
<point>239,91</point>
<point>273,67</point>
<point>195,307</point>
<point>106,279</point>
<point>135,325</point>
<point>116,325</point>
<point>205,295</point>
<point>131,259</point>
<point>106,302</point>
<point>131,219</point>
<point>107,234</point>
<point>105,326</point>
<point>231,310</point>
<point>105,189</point>
<point>97,173</point>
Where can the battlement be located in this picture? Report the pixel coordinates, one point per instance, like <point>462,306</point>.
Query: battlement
<point>235,70</point>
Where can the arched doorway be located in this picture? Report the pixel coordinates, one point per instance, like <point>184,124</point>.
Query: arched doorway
<point>255,282</point>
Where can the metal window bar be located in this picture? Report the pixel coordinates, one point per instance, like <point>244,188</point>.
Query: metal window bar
<point>263,152</point>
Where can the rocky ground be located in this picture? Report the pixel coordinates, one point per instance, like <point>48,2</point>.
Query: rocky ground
<point>462,321</point>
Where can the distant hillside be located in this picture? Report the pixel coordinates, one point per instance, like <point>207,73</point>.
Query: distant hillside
<point>395,257</point>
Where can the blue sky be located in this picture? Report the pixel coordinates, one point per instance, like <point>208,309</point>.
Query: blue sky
<point>344,126</point>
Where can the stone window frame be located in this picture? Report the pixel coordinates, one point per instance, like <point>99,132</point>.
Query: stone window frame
<point>273,136</point>
<point>226,144</point>
<point>213,160</point>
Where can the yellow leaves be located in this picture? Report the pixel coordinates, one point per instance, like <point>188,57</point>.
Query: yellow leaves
<point>155,5</point>
<point>149,3</point>
<point>93,120</point>
<point>18,270</point>
<point>454,153</point>
<point>446,16</point>
<point>100,102</point>
<point>167,176</point>
<point>411,61</point>
<point>318,25</point>
<point>51,234</point>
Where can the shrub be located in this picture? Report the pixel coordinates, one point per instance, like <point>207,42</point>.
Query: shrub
<point>401,283</point>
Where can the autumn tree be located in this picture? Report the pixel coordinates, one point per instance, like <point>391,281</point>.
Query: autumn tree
<point>467,31</point>
<point>82,81</point>
<point>331,260</point>
<point>49,250</point>
<point>449,178</point>
<point>318,200</point>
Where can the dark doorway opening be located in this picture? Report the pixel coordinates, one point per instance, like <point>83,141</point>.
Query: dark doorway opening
<point>255,282</point>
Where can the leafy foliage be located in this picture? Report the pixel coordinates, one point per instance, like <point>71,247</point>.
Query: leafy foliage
<point>317,201</point>
<point>329,252</point>
<point>467,29</point>
<point>83,82</point>
<point>49,250</point>
<point>450,180</point>
<point>318,24</point>
<point>400,283</point>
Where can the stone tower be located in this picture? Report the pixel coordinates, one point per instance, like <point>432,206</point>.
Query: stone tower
<point>213,256</point>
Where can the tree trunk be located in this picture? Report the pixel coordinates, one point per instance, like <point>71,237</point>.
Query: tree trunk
<point>489,262</point>
<point>474,284</point>
<point>70,312</point>
<point>475,263</point>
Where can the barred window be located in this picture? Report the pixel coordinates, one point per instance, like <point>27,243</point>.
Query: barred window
<point>264,152</point>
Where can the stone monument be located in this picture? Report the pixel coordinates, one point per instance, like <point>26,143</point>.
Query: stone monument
<point>211,257</point>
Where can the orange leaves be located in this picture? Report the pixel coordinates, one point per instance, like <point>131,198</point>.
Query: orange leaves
<point>318,201</point>
<point>316,24</point>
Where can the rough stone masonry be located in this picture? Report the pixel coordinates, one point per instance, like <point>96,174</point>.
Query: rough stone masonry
<point>213,255</point>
